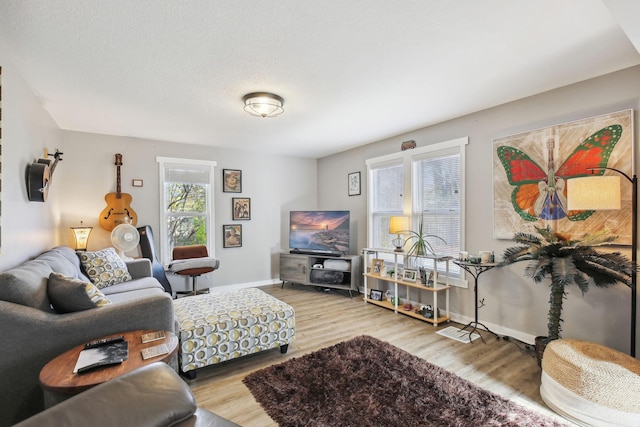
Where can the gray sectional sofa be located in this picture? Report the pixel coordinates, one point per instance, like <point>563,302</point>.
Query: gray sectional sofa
<point>32,332</point>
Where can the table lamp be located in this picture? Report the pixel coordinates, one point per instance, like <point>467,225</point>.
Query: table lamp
<point>398,225</point>
<point>81,235</point>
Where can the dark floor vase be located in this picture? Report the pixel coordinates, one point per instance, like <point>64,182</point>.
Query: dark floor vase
<point>541,344</point>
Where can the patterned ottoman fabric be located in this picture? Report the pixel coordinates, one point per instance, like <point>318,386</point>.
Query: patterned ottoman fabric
<point>225,325</point>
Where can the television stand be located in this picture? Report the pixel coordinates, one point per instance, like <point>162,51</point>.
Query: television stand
<point>327,270</point>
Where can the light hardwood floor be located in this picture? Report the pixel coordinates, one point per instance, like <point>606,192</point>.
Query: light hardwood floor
<point>326,318</point>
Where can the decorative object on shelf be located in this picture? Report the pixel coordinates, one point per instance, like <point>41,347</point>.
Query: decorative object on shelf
<point>231,181</point>
<point>376,266</point>
<point>232,235</point>
<point>118,210</point>
<point>409,275</point>
<point>353,180</point>
<point>398,225</point>
<point>375,295</point>
<point>408,145</point>
<point>598,192</point>
<point>241,208</point>
<point>568,262</point>
<point>433,279</point>
<point>81,234</point>
<point>125,238</point>
<point>528,193</point>
<point>40,176</point>
<point>419,243</point>
<point>263,104</point>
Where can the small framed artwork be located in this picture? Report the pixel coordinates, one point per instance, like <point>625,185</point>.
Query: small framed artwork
<point>354,183</point>
<point>232,235</point>
<point>231,181</point>
<point>376,266</point>
<point>409,275</point>
<point>375,295</point>
<point>137,183</point>
<point>241,208</point>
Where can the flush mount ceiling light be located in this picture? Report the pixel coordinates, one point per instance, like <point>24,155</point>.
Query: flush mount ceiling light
<point>263,104</point>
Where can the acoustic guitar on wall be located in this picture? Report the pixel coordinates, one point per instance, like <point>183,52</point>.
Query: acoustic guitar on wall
<point>118,210</point>
<point>40,176</point>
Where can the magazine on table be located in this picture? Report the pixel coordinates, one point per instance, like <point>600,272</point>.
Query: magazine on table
<point>105,355</point>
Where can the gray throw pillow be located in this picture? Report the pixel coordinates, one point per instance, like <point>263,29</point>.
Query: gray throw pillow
<point>68,295</point>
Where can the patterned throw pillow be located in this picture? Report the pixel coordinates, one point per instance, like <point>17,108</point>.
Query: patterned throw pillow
<point>68,295</point>
<point>105,268</point>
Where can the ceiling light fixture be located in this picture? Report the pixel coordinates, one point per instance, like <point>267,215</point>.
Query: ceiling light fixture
<point>263,104</point>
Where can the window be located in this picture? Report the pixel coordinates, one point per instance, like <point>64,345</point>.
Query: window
<point>186,204</point>
<point>422,183</point>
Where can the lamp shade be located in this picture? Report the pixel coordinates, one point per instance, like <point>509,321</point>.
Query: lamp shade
<point>263,104</point>
<point>398,224</point>
<point>81,235</point>
<point>593,193</point>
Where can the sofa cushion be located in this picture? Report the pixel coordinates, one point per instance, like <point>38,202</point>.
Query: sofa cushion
<point>27,285</point>
<point>105,268</point>
<point>69,295</point>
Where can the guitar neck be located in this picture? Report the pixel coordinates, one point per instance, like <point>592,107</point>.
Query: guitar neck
<point>118,192</point>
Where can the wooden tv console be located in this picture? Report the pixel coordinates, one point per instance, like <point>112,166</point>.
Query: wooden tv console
<point>343,272</point>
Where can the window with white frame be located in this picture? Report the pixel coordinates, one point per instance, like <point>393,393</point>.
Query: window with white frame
<point>186,204</point>
<point>424,183</point>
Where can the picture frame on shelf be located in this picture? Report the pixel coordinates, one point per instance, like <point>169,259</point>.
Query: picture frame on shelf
<point>232,236</point>
<point>377,265</point>
<point>375,295</point>
<point>241,208</point>
<point>409,275</point>
<point>231,181</point>
<point>353,180</point>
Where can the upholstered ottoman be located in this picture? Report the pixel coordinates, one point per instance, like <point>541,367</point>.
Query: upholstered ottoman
<point>225,325</point>
<point>591,384</point>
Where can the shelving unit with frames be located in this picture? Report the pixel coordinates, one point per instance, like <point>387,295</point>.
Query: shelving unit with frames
<point>397,281</point>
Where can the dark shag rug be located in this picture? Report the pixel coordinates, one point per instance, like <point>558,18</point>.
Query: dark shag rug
<point>368,382</point>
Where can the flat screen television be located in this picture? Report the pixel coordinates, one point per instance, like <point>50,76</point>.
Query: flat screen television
<point>319,232</point>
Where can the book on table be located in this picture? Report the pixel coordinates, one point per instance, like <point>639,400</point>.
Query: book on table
<point>152,336</point>
<point>104,355</point>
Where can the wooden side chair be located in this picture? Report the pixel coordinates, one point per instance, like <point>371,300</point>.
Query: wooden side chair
<point>192,261</point>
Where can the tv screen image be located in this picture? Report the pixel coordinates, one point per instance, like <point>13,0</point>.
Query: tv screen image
<point>319,231</point>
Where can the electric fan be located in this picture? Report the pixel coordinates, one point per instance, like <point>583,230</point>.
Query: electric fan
<point>125,237</point>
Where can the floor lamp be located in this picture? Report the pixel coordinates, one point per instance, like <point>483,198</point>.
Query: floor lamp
<point>600,192</point>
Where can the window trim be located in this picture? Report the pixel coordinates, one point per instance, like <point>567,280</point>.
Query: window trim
<point>406,158</point>
<point>165,256</point>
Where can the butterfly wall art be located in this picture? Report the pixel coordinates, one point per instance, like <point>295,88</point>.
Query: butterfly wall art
<point>531,169</point>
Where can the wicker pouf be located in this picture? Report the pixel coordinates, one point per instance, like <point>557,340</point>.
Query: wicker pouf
<point>225,325</point>
<point>591,384</point>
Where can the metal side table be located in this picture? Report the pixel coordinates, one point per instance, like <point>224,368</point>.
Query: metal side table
<point>476,270</point>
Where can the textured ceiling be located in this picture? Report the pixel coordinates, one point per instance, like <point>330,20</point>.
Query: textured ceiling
<point>350,71</point>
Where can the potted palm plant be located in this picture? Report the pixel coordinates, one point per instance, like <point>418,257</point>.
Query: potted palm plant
<point>567,262</point>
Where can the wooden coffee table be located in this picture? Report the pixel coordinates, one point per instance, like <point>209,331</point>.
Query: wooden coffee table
<point>57,377</point>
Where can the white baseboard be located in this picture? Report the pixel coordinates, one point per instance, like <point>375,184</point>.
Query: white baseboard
<point>500,330</point>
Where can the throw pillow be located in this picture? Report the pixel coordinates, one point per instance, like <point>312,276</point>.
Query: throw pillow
<point>105,267</point>
<point>68,295</point>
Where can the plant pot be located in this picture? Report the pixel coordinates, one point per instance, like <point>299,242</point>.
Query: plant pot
<point>541,344</point>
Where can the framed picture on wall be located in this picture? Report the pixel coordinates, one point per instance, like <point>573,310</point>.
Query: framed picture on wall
<point>232,235</point>
<point>231,181</point>
<point>241,208</point>
<point>354,183</point>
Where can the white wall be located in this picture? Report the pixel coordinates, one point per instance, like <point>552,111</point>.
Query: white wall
<point>275,184</point>
<point>514,304</point>
<point>28,228</point>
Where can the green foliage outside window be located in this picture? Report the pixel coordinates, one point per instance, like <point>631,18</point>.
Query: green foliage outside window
<point>187,214</point>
